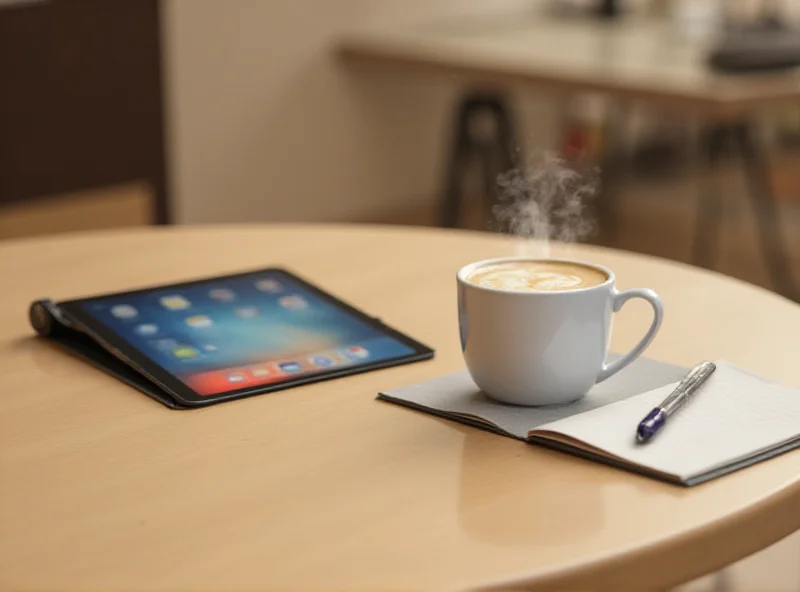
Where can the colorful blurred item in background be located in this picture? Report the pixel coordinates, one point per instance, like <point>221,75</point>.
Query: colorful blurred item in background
<point>583,129</point>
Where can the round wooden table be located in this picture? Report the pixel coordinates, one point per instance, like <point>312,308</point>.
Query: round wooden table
<point>323,487</point>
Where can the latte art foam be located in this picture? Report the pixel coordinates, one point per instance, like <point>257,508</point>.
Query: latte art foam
<point>537,276</point>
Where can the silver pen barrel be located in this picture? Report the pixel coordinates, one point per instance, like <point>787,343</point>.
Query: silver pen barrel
<point>687,387</point>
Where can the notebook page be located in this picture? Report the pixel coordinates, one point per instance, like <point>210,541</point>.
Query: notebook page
<point>734,416</point>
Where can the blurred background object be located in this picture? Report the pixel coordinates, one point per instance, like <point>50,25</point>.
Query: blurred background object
<point>191,111</point>
<point>81,110</point>
<point>633,92</point>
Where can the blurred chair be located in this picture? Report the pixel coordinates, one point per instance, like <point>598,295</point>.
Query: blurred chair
<point>483,133</point>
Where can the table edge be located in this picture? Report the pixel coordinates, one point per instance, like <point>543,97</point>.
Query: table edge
<point>675,557</point>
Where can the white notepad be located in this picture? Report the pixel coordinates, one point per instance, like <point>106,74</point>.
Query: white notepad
<point>736,419</point>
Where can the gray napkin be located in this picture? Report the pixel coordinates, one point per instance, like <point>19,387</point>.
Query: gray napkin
<point>457,397</point>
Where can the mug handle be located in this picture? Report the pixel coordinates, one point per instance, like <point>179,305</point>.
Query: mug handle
<point>619,299</point>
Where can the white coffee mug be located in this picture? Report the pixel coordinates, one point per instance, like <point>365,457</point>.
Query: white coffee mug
<point>543,347</point>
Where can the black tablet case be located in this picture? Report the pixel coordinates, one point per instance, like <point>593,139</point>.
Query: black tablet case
<point>83,347</point>
<point>50,323</point>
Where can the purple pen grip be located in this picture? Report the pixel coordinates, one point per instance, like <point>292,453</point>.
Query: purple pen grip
<point>650,425</point>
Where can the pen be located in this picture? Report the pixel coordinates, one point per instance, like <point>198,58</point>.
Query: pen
<point>656,419</point>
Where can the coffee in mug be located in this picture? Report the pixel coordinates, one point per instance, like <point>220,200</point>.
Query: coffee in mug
<point>536,332</point>
<point>529,276</point>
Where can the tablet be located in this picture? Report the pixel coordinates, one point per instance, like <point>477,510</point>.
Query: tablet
<point>221,338</point>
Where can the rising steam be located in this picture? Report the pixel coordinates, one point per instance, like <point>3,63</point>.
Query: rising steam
<point>543,201</point>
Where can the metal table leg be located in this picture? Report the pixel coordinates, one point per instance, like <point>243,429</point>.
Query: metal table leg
<point>708,216</point>
<point>763,199</point>
<point>457,166</point>
<point>612,171</point>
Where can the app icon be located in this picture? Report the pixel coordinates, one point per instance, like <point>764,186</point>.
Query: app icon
<point>236,377</point>
<point>322,361</point>
<point>184,352</point>
<point>222,294</point>
<point>260,371</point>
<point>174,302</point>
<point>165,344</point>
<point>210,348</point>
<point>146,329</point>
<point>269,286</point>
<point>356,352</point>
<point>289,367</point>
<point>293,302</point>
<point>199,322</point>
<point>124,311</point>
<point>247,312</point>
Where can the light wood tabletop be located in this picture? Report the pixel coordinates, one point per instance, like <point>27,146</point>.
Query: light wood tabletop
<point>323,486</point>
<point>637,58</point>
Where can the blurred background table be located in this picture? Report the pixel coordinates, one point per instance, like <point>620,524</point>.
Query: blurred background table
<point>635,58</point>
<point>324,487</point>
<point>632,61</point>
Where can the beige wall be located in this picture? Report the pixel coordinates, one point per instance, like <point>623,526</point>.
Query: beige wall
<point>266,125</point>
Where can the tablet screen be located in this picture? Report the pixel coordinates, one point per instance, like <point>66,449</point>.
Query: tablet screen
<point>244,331</point>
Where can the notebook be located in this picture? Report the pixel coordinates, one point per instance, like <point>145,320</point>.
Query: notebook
<point>735,420</point>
